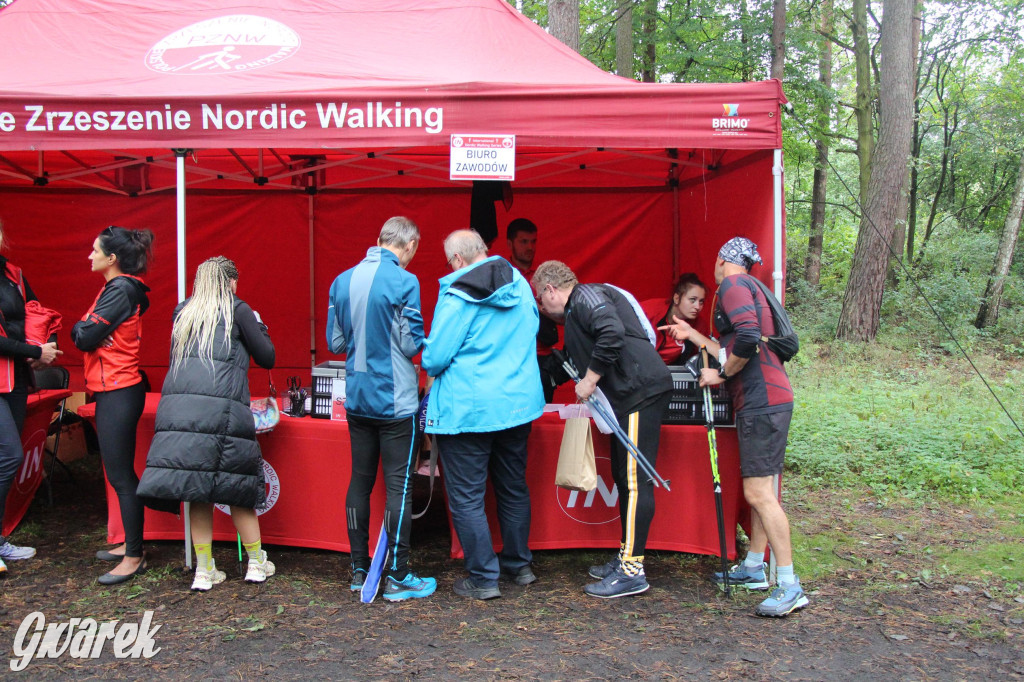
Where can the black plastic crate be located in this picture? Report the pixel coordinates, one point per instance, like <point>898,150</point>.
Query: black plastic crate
<point>321,406</point>
<point>686,405</point>
<point>324,375</point>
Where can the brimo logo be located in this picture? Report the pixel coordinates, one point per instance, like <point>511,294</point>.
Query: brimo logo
<point>81,638</point>
<point>731,120</point>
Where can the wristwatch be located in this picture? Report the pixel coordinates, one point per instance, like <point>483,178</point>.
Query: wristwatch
<point>721,373</point>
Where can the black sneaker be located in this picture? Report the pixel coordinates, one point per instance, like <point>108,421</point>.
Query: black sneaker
<point>467,588</point>
<point>603,571</point>
<point>618,584</point>
<point>523,576</point>
<point>358,578</point>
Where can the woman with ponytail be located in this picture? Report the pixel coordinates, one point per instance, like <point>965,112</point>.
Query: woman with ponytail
<point>110,335</point>
<point>204,450</point>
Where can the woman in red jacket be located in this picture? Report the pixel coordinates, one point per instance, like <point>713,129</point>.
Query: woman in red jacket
<point>110,334</point>
<point>17,359</point>
<point>683,309</point>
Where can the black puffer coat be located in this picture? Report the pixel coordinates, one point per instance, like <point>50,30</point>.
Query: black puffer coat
<point>204,448</point>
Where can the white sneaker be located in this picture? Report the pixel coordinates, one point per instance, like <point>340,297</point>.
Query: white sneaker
<point>259,570</point>
<point>14,553</point>
<point>204,580</point>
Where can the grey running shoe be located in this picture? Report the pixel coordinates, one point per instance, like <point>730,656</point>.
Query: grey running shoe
<point>9,552</point>
<point>523,576</point>
<point>467,588</point>
<point>742,575</point>
<point>618,584</point>
<point>783,601</point>
<point>603,571</point>
<point>358,578</point>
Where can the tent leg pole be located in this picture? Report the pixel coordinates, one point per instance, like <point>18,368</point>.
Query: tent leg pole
<point>312,310</point>
<point>780,256</point>
<point>180,158</point>
<point>779,259</point>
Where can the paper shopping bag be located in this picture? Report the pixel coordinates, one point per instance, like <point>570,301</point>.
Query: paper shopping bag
<point>576,467</point>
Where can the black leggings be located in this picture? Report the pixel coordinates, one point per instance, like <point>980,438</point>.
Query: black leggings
<point>636,490</point>
<point>12,419</point>
<point>117,416</point>
<point>390,442</point>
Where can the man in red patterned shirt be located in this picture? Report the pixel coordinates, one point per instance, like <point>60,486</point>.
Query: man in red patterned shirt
<point>763,401</point>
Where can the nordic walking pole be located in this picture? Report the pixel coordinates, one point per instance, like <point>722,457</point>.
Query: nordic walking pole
<point>709,417</point>
<point>372,581</point>
<point>613,423</point>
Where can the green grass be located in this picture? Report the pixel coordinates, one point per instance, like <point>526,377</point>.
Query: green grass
<point>903,425</point>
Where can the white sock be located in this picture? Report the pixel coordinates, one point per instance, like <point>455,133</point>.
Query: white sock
<point>754,560</point>
<point>785,575</point>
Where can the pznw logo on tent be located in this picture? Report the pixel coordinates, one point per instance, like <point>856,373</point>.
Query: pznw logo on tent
<point>238,42</point>
<point>730,123</point>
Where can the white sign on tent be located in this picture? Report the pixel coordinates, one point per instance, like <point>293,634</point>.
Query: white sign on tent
<point>483,157</point>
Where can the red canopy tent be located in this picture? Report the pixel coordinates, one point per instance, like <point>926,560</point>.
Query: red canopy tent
<point>283,133</point>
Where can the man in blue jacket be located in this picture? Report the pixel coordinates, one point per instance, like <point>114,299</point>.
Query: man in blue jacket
<point>374,317</point>
<point>482,351</point>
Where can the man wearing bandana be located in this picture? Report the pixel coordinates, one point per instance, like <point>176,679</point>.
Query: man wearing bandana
<point>763,401</point>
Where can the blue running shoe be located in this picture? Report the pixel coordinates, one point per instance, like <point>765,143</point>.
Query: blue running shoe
<point>784,600</point>
<point>742,575</point>
<point>618,584</point>
<point>410,587</point>
<point>358,578</point>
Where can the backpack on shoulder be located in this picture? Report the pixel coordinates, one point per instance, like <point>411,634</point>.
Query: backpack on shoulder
<point>784,343</point>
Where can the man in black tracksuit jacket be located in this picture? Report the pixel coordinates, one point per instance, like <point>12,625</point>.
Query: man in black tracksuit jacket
<point>608,345</point>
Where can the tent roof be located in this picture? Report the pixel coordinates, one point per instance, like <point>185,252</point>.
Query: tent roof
<point>327,74</point>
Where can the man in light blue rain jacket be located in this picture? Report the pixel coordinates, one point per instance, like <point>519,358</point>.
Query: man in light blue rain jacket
<point>374,317</point>
<point>482,350</point>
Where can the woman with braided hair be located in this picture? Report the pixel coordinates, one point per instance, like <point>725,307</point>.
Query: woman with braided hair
<point>204,449</point>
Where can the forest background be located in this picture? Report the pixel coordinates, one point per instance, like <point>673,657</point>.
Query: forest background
<point>904,160</point>
<point>904,186</point>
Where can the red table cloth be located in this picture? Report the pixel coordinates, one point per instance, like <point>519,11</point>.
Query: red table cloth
<point>33,438</point>
<point>308,465</point>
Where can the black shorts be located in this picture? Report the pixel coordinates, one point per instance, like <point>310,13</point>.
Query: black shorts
<point>762,439</point>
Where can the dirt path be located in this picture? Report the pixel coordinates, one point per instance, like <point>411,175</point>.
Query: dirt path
<point>305,623</point>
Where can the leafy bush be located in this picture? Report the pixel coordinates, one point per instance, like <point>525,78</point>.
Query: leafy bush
<point>868,416</point>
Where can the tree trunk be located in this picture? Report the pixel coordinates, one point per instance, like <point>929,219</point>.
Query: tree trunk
<point>948,131</point>
<point>915,153</point>
<point>564,21</point>
<point>624,40</point>
<point>863,299</point>
<point>863,98</point>
<point>902,206</point>
<point>778,38</point>
<point>649,40</point>
<point>746,65</point>
<point>988,314</point>
<point>816,235</point>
